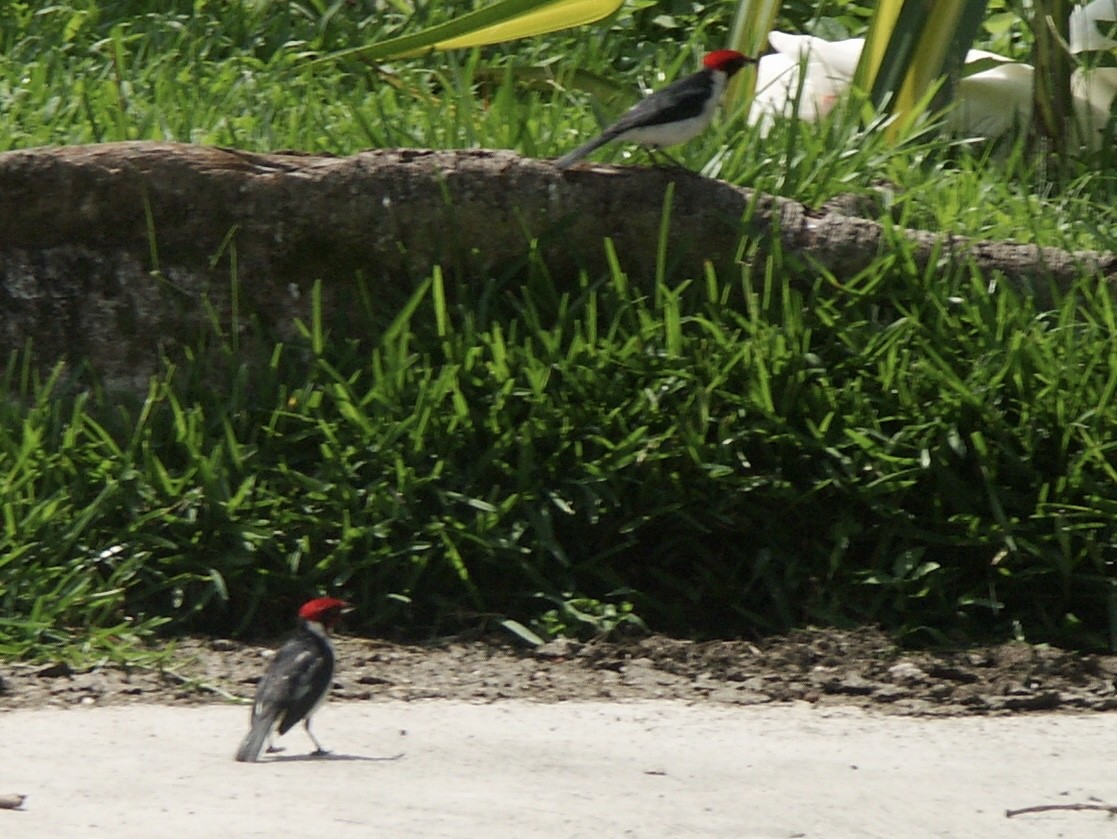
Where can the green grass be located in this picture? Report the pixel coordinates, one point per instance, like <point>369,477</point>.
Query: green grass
<point>239,74</point>
<point>714,455</point>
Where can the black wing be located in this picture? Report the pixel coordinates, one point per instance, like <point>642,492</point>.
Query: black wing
<point>680,100</point>
<point>296,680</point>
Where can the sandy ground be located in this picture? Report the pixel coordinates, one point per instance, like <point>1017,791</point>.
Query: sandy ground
<point>567,769</point>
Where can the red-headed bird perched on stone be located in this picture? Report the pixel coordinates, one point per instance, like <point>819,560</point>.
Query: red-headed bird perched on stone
<point>297,680</point>
<point>677,113</point>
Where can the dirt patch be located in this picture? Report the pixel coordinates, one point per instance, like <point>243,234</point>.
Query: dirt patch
<point>861,667</point>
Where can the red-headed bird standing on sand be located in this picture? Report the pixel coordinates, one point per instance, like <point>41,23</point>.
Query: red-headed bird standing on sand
<point>297,680</point>
<point>677,113</point>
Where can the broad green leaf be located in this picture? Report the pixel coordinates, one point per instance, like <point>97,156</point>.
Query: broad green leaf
<point>751,25</point>
<point>877,41</point>
<point>503,21</point>
<point>565,14</point>
<point>911,46</point>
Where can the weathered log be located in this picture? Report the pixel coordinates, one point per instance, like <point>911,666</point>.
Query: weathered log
<point>112,253</point>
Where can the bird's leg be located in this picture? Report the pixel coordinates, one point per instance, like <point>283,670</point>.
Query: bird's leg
<point>318,746</point>
<point>657,155</point>
<point>271,747</point>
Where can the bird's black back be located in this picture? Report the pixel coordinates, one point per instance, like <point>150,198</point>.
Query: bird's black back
<point>681,100</point>
<point>297,678</point>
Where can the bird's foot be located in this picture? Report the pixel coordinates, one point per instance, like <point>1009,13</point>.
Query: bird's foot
<point>662,160</point>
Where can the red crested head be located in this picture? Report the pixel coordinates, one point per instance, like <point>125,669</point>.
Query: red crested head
<point>324,610</point>
<point>727,61</point>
